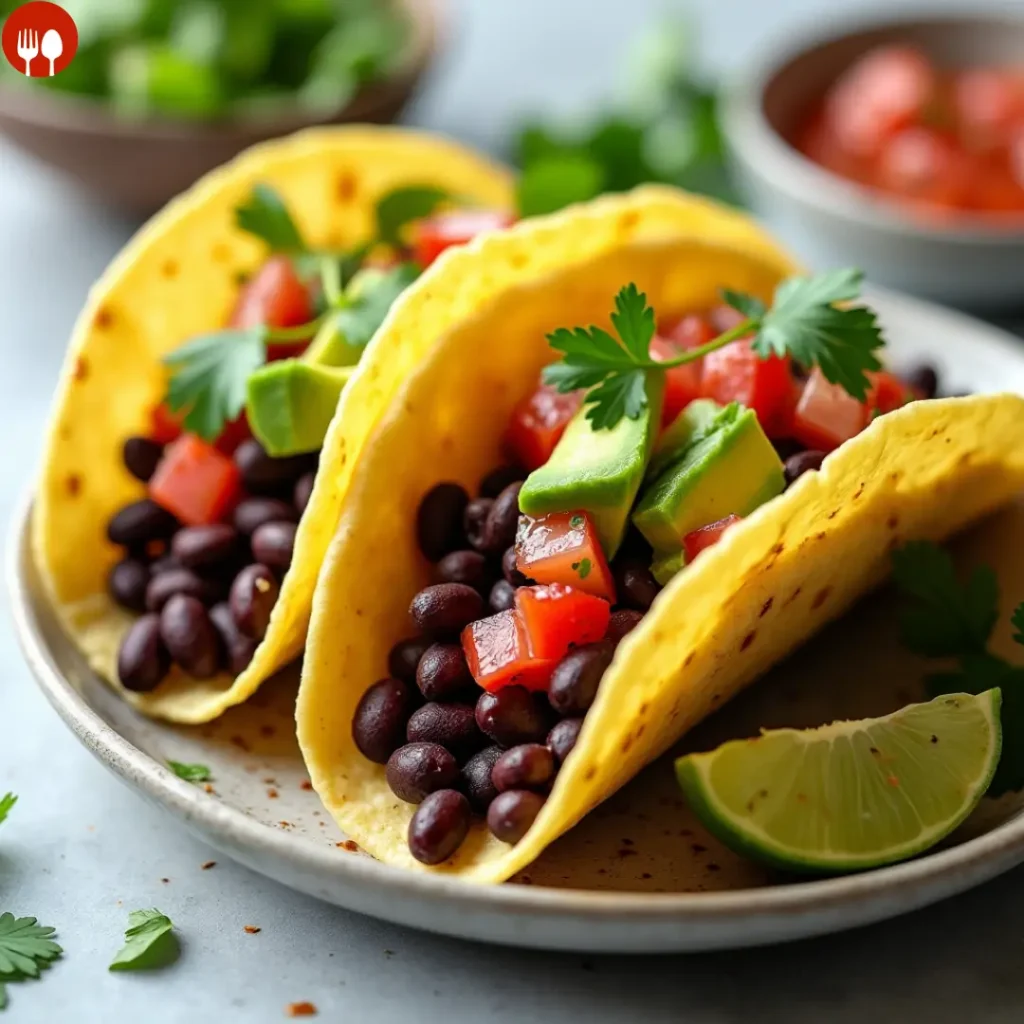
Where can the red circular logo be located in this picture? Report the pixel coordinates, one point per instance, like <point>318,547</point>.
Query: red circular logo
<point>39,39</point>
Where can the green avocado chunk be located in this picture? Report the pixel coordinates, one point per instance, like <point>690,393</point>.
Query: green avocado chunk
<point>291,402</point>
<point>597,471</point>
<point>689,426</point>
<point>664,567</point>
<point>730,471</point>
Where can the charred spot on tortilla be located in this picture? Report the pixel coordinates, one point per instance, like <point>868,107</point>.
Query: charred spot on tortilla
<point>821,597</point>
<point>748,640</point>
<point>81,368</point>
<point>346,186</point>
<point>104,318</point>
<point>766,607</point>
<point>170,269</point>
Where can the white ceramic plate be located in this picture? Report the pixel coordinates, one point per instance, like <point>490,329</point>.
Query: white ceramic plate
<point>601,888</point>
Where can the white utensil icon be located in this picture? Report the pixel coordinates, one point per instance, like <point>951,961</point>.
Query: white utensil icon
<point>53,47</point>
<point>28,48</point>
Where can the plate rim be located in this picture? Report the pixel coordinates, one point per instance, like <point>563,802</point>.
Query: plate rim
<point>864,897</point>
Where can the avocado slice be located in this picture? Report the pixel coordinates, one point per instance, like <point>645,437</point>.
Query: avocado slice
<point>597,471</point>
<point>290,404</point>
<point>664,567</point>
<point>730,471</point>
<point>689,426</point>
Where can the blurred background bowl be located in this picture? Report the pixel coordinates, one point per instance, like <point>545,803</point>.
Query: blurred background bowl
<point>136,165</point>
<point>830,221</point>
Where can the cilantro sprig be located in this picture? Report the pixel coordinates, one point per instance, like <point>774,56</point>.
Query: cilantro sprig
<point>6,803</point>
<point>190,772</point>
<point>805,321</point>
<point>950,619</point>
<point>26,947</point>
<point>150,942</point>
<point>264,214</point>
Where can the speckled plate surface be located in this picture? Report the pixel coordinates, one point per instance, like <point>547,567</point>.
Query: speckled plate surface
<point>638,875</point>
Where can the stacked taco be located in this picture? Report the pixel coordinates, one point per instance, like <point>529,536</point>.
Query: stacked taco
<point>192,479</point>
<point>558,554</point>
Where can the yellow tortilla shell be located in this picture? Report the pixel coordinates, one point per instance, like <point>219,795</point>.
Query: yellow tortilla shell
<point>179,277</point>
<point>475,326</point>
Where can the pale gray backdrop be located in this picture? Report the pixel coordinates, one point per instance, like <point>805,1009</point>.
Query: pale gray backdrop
<point>79,843</point>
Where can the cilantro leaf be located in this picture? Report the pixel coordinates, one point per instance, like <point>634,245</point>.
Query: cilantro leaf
<point>25,946</point>
<point>359,320</point>
<point>190,772</point>
<point>621,394</point>
<point>6,803</point>
<point>947,619</point>
<point>750,306</point>
<point>633,320</point>
<point>149,942</point>
<point>556,181</point>
<point>805,323</point>
<point>209,376</point>
<point>1017,620</point>
<point>402,206</point>
<point>265,215</point>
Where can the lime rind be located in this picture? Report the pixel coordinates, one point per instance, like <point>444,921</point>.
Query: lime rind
<point>812,772</point>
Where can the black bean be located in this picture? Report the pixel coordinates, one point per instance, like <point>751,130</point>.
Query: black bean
<point>924,379</point>
<point>195,546</point>
<point>786,446</point>
<point>263,474</point>
<point>474,521</point>
<point>141,522</point>
<point>378,725</point>
<point>439,520</point>
<point>405,657</point>
<point>274,543</point>
<point>252,599</point>
<point>418,769</point>
<point>577,676</point>
<point>635,587</point>
<point>252,513</point>
<point>469,567</point>
<point>502,596</point>
<point>499,531</point>
<point>189,636</point>
<point>442,672</point>
<point>143,661</point>
<point>513,715</point>
<point>141,457</point>
<point>476,778</point>
<point>439,826</point>
<point>509,570</point>
<point>163,586</point>
<point>624,621</point>
<point>165,563</point>
<point>303,489</point>
<point>444,609</point>
<point>563,737</point>
<point>528,766</point>
<point>498,479</point>
<point>451,725</point>
<point>238,647</point>
<point>804,462</point>
<point>512,813</point>
<point>127,584</point>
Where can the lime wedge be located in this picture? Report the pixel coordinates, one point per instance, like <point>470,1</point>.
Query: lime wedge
<point>850,795</point>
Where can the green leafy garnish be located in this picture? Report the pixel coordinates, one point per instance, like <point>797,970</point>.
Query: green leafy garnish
<point>950,619</point>
<point>149,942</point>
<point>576,522</point>
<point>584,567</point>
<point>359,320</point>
<point>804,322</point>
<point>6,803</point>
<point>402,206</point>
<point>265,215</point>
<point>25,948</point>
<point>190,772</point>
<point>556,181</point>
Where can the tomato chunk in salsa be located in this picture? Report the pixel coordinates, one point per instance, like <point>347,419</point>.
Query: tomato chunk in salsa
<point>558,618</point>
<point>436,234</point>
<point>195,482</point>
<point>498,653</point>
<point>537,424</point>
<point>707,536</point>
<point>562,547</point>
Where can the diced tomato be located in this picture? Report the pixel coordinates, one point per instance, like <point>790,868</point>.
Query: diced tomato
<point>195,481</point>
<point>277,298</point>
<point>724,318</point>
<point>537,424</point>
<point>920,163</point>
<point>165,425</point>
<point>692,331</point>
<point>682,383</point>
<point>558,618</point>
<point>888,393</point>
<point>498,654</point>
<point>886,90</point>
<point>986,102</point>
<point>233,434</point>
<point>562,547</point>
<point>707,536</point>
<point>435,234</point>
<point>827,415</point>
<point>736,373</point>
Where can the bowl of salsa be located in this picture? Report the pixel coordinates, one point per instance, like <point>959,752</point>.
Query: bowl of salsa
<point>897,146</point>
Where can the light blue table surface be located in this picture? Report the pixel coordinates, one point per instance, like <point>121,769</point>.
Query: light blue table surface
<point>81,849</point>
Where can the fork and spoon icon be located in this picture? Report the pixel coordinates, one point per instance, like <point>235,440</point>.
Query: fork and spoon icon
<point>29,48</point>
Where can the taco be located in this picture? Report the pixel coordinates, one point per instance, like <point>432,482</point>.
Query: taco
<point>519,508</point>
<point>181,518</point>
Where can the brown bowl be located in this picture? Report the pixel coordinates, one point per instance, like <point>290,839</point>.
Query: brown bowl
<point>138,165</point>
